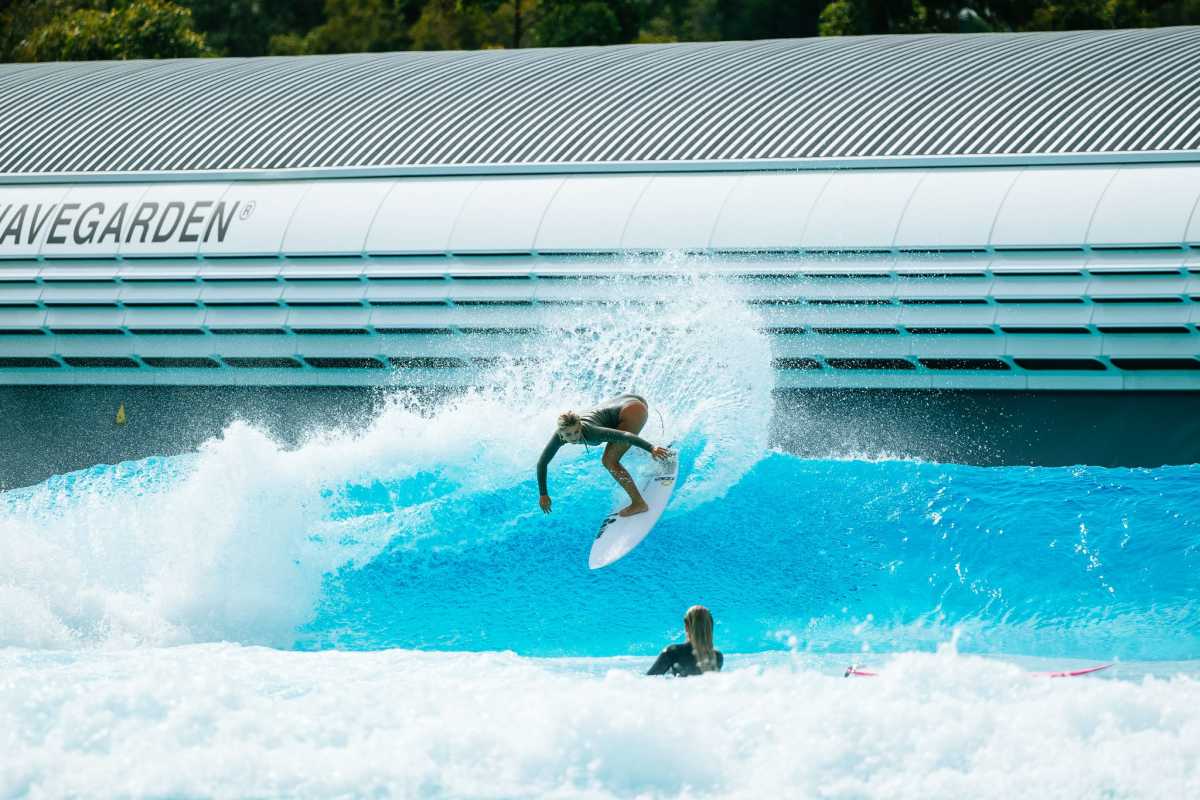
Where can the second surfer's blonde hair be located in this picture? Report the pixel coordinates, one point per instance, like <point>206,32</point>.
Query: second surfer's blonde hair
<point>698,624</point>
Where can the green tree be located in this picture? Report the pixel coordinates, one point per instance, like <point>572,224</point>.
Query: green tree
<point>658,30</point>
<point>573,24</point>
<point>78,29</point>
<point>839,18</point>
<point>850,17</point>
<point>1178,12</point>
<point>1065,15</point>
<point>350,26</point>
<point>1069,15</point>
<point>134,29</point>
<point>514,19</point>
<point>701,21</point>
<point>452,25</point>
<point>245,27</point>
<point>20,18</point>
<point>768,19</point>
<point>570,23</point>
<point>681,21</point>
<point>1129,14</point>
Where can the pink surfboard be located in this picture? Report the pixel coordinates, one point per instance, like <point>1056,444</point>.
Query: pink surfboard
<point>858,672</point>
<point>1074,673</point>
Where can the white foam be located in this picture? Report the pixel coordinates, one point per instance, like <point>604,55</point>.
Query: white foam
<point>225,721</point>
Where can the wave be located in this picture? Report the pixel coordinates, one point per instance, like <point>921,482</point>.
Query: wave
<point>422,531</point>
<point>238,541</point>
<point>814,556</point>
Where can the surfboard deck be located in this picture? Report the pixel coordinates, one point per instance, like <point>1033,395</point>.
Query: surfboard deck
<point>619,535</point>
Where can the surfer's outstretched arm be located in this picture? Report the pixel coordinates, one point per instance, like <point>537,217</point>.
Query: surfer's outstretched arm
<point>543,462</point>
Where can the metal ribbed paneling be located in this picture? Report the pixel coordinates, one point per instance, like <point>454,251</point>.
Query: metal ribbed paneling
<point>1029,320</point>
<point>1044,94</point>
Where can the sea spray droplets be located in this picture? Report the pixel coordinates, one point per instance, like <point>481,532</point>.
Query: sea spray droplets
<point>685,341</point>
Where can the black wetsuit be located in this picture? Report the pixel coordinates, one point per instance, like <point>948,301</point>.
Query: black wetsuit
<point>599,426</point>
<point>680,660</point>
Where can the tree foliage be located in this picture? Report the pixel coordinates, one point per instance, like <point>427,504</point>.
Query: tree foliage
<point>101,29</point>
<point>138,29</point>
<point>454,25</point>
<point>846,17</point>
<point>571,24</point>
<point>350,26</point>
<point>245,27</point>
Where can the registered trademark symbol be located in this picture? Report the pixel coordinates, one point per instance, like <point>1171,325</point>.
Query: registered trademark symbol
<point>247,210</point>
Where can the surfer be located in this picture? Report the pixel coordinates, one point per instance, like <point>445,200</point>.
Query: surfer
<point>698,655</point>
<point>618,422</point>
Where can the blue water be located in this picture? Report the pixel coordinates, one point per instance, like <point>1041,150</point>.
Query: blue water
<point>250,543</point>
<point>820,555</point>
<point>422,530</point>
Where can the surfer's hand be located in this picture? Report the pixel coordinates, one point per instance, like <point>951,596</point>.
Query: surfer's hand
<point>660,453</point>
<point>544,502</point>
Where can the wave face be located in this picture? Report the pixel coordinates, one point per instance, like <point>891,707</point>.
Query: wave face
<point>423,531</point>
<point>816,555</point>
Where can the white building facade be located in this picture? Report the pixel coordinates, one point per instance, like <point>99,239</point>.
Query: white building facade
<point>1011,211</point>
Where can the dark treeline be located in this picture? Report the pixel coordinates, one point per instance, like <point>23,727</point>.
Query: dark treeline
<point>53,30</point>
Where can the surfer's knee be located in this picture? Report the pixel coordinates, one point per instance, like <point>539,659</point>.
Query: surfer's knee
<point>612,458</point>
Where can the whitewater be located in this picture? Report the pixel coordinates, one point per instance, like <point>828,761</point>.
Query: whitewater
<point>384,610</point>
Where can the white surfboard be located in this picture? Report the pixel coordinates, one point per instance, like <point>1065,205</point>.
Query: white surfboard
<point>619,535</point>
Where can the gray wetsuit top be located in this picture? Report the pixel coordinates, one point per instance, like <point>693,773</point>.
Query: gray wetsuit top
<point>599,426</point>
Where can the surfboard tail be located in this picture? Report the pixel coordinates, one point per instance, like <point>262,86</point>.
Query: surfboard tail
<point>619,535</point>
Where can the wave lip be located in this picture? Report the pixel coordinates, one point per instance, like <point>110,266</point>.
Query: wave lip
<point>224,544</point>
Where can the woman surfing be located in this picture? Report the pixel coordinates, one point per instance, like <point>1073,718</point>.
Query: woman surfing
<point>616,422</point>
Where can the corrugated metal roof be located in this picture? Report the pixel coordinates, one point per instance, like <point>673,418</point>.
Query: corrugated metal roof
<point>1092,93</point>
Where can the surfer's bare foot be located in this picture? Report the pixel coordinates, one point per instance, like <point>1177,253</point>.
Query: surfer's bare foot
<point>633,508</point>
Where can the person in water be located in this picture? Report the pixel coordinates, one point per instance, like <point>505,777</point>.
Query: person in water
<point>695,657</point>
<point>617,422</point>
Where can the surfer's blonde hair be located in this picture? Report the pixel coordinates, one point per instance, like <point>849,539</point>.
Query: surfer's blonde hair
<point>568,419</point>
<point>698,624</point>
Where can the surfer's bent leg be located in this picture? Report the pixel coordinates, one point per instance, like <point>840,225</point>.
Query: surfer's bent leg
<point>633,419</point>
